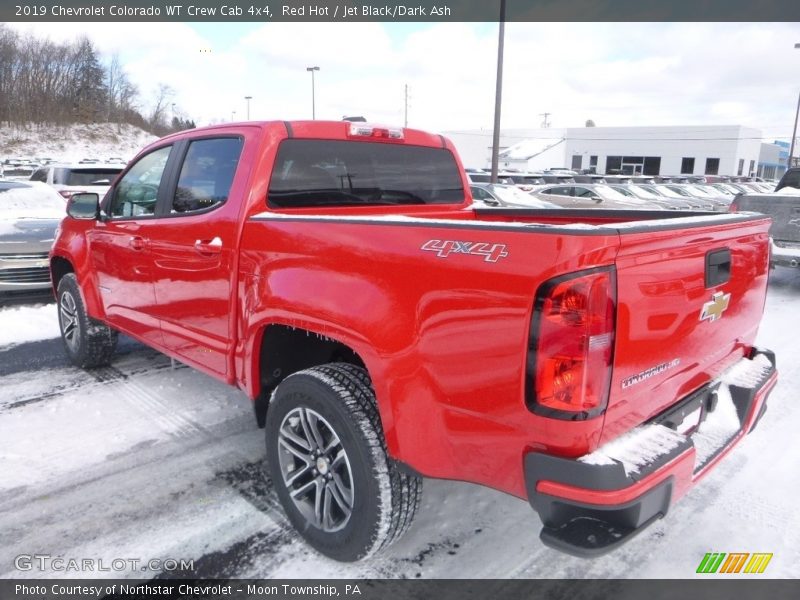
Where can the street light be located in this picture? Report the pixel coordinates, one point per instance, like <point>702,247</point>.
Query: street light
<point>313,101</point>
<point>794,131</point>
<point>498,93</point>
<point>248,98</point>
<point>233,114</point>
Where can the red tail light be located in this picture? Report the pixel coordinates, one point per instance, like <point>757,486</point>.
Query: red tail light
<point>572,345</point>
<point>733,207</point>
<point>68,193</point>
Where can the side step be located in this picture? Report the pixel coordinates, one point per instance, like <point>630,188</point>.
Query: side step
<point>588,537</point>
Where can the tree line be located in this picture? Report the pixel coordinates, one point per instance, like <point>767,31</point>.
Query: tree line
<point>60,83</point>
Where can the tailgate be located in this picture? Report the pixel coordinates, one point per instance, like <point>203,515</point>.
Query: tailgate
<point>690,300</point>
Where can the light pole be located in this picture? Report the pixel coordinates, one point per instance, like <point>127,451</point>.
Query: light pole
<point>794,131</point>
<point>233,114</point>
<point>498,92</point>
<point>313,100</point>
<point>248,98</point>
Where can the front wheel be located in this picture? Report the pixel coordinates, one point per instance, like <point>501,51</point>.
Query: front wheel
<point>87,342</point>
<point>327,456</point>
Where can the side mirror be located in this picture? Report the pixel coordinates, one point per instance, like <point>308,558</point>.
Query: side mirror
<point>491,202</point>
<point>597,199</point>
<point>84,206</point>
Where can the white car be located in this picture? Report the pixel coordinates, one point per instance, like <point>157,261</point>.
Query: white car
<point>69,179</point>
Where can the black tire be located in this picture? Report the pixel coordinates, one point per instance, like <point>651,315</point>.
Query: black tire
<point>338,401</point>
<point>87,342</point>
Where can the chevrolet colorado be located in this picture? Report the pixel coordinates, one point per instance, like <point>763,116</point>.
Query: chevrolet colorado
<point>596,363</point>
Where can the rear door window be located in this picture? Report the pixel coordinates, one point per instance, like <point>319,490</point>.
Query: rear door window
<point>343,173</point>
<point>206,174</point>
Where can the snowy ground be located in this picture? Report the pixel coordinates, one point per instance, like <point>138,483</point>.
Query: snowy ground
<point>146,460</point>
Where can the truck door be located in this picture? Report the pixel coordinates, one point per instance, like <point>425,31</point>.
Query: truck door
<point>195,249</point>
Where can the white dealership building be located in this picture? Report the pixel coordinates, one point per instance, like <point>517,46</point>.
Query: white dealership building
<point>696,150</point>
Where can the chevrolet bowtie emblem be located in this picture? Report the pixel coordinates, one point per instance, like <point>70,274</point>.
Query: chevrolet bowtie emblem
<point>713,309</point>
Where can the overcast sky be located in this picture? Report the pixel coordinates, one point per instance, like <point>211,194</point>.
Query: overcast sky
<point>616,74</point>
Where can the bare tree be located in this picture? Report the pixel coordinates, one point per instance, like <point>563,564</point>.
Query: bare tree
<point>158,116</point>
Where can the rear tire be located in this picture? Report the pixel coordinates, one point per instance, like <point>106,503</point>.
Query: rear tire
<point>87,342</point>
<point>327,456</point>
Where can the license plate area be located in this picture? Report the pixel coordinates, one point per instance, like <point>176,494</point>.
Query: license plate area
<point>687,415</point>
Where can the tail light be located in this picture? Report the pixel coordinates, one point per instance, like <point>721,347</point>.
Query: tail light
<point>68,193</point>
<point>572,345</point>
<point>734,206</point>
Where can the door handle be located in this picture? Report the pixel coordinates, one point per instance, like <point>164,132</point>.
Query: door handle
<point>212,246</point>
<point>137,243</point>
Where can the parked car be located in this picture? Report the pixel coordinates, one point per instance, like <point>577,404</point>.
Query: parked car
<point>29,216</point>
<point>665,192</point>
<point>637,191</point>
<point>18,169</point>
<point>499,194</point>
<point>68,179</point>
<point>484,177</point>
<point>386,330</point>
<point>709,199</point>
<point>588,195</point>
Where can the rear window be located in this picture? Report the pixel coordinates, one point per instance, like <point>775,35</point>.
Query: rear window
<point>341,173</point>
<point>93,176</point>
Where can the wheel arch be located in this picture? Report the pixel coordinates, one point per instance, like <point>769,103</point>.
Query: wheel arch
<point>61,265</point>
<point>281,350</point>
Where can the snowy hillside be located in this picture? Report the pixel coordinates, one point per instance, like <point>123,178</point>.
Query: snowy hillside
<point>73,142</point>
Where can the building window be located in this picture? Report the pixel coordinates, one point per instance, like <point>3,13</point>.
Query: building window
<point>740,170</point>
<point>593,160</point>
<point>614,165</point>
<point>577,162</point>
<point>687,165</point>
<point>751,172</point>
<point>712,166</point>
<point>652,165</point>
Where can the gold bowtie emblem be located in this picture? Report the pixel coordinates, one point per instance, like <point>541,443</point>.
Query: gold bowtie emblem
<point>713,309</point>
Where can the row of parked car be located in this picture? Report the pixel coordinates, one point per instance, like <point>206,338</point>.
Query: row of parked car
<point>565,189</point>
<point>33,195</point>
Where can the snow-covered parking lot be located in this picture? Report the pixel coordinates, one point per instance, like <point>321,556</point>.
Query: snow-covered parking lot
<point>146,459</point>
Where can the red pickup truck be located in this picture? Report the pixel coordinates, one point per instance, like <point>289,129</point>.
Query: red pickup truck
<point>596,363</point>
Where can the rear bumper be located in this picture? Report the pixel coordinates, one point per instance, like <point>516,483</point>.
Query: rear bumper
<point>784,257</point>
<point>592,505</point>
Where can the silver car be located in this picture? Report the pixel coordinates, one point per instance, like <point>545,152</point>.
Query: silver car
<point>29,216</point>
<point>498,194</point>
<point>589,195</point>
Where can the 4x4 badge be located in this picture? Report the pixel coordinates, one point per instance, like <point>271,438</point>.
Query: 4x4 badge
<point>713,309</point>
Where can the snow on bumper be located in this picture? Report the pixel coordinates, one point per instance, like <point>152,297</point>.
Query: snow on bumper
<point>593,504</point>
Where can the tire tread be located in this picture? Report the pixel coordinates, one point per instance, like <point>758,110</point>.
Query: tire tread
<point>353,386</point>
